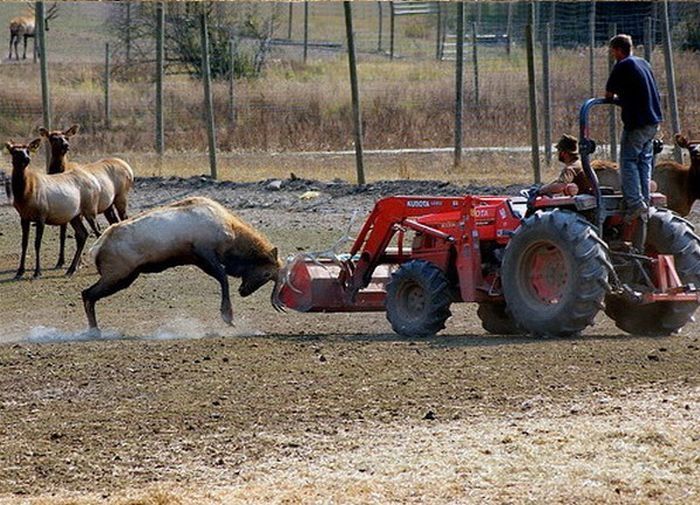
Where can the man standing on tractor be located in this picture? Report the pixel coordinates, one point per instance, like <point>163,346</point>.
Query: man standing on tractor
<point>632,82</point>
<point>572,172</point>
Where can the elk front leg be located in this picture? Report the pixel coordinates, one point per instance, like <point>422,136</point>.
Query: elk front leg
<point>211,265</point>
<point>101,289</point>
<point>25,242</point>
<point>37,248</point>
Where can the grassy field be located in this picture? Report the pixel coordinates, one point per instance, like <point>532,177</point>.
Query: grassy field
<point>295,107</point>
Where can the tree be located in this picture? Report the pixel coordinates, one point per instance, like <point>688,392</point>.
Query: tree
<point>250,26</point>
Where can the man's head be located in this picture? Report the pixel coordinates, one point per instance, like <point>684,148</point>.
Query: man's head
<point>567,148</point>
<point>620,46</point>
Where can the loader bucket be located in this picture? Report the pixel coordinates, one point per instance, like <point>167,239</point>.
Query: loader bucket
<point>314,285</point>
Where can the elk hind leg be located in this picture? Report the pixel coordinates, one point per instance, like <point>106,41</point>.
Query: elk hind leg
<point>101,289</point>
<point>110,215</point>
<point>120,203</point>
<point>81,235</point>
<point>61,247</point>
<point>37,248</point>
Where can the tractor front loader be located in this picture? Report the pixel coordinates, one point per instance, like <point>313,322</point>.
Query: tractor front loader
<point>541,265</point>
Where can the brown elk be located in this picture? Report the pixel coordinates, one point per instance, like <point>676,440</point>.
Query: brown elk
<point>114,175</point>
<point>195,231</point>
<point>680,183</point>
<point>25,27</point>
<point>51,199</point>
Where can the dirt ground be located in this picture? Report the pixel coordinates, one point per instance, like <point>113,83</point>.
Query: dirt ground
<point>173,406</point>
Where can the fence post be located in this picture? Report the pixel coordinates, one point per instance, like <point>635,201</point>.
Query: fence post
<point>591,49</point>
<point>438,29</point>
<point>612,31</point>
<point>534,133</point>
<point>357,119</point>
<point>379,28</point>
<point>306,30</point>
<point>547,93</point>
<point>289,20</point>
<point>475,61</point>
<point>648,39</point>
<point>509,29</point>
<point>391,30</point>
<point>128,31</point>
<point>44,69</point>
<point>208,105</point>
<point>160,47</point>
<point>671,82</point>
<point>459,84</point>
<point>108,101</point>
<point>231,86</point>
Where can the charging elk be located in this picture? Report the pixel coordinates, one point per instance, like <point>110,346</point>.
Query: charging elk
<point>195,231</point>
<point>51,199</point>
<point>25,27</point>
<point>114,176</point>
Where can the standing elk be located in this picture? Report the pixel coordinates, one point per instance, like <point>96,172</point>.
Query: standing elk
<point>51,199</point>
<point>114,176</point>
<point>680,183</point>
<point>195,231</point>
<point>25,27</point>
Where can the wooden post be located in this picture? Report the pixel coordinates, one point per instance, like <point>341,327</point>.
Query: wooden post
<point>44,69</point>
<point>475,61</point>
<point>356,114</point>
<point>160,47</point>
<point>208,102</point>
<point>547,93</point>
<point>232,84</point>
<point>534,133</point>
<point>108,102</point>
<point>648,39</point>
<point>591,49</point>
<point>306,31</point>
<point>289,20</point>
<point>509,29</point>
<point>612,31</point>
<point>671,82</point>
<point>391,31</point>
<point>380,17</point>
<point>459,84</point>
<point>438,29</point>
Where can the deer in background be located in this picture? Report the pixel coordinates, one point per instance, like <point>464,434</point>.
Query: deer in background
<point>25,27</point>
<point>114,176</point>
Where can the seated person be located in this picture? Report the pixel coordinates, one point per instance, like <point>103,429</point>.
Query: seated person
<point>572,173</point>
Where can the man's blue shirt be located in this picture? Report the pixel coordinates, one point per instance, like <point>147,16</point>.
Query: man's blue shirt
<point>633,82</point>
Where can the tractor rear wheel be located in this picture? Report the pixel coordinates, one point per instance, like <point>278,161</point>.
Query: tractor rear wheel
<point>496,319</point>
<point>555,273</point>
<point>667,233</point>
<point>418,299</point>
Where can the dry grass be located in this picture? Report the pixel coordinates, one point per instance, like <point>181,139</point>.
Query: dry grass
<point>296,107</point>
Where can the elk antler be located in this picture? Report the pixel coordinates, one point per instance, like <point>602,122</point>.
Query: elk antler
<point>52,12</point>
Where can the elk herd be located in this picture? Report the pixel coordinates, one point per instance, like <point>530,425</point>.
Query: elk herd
<point>195,231</point>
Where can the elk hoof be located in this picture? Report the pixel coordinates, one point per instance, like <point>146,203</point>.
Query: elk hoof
<point>37,275</point>
<point>227,315</point>
<point>19,274</point>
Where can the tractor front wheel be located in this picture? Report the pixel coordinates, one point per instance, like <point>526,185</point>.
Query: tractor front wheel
<point>554,273</point>
<point>418,299</point>
<point>667,233</point>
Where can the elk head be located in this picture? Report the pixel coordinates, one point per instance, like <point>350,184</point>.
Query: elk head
<point>49,14</point>
<point>21,153</point>
<point>693,146</point>
<point>59,139</point>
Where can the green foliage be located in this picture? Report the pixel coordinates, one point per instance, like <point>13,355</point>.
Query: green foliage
<point>689,34</point>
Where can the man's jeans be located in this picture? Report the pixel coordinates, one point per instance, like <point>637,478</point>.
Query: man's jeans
<point>636,155</point>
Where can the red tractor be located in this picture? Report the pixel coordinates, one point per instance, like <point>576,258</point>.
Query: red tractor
<point>543,265</point>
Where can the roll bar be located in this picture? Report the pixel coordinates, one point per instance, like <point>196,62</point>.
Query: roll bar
<point>586,147</point>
